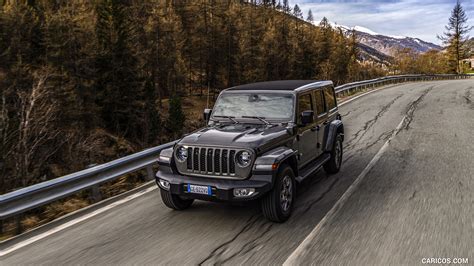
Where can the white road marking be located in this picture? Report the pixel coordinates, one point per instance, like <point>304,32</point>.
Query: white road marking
<point>73,222</point>
<point>302,250</point>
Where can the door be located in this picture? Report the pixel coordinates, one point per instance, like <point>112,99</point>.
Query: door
<point>307,135</point>
<point>321,115</point>
<point>329,115</point>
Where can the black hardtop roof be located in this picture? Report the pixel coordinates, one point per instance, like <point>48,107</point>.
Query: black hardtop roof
<point>286,85</point>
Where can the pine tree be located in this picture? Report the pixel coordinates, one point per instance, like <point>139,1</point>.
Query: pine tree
<point>271,56</point>
<point>455,37</point>
<point>310,17</point>
<point>118,82</point>
<point>340,57</point>
<point>324,47</point>
<point>176,116</point>
<point>286,7</point>
<point>284,43</point>
<point>297,13</point>
<point>252,54</point>
<point>69,52</point>
<point>164,56</point>
<point>301,53</point>
<point>152,122</point>
<point>353,66</point>
<point>232,20</point>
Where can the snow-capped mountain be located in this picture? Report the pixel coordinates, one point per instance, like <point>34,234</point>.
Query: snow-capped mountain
<point>388,44</point>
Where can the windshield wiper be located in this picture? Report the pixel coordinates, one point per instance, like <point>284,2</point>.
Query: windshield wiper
<point>231,118</point>
<point>258,117</point>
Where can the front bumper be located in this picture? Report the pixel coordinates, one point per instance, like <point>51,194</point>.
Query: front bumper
<point>222,189</point>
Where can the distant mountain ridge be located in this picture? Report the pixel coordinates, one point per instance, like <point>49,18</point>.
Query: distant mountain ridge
<point>386,44</point>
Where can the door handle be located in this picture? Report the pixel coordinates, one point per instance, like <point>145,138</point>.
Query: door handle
<point>315,128</point>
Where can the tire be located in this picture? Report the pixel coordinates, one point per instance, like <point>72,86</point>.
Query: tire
<point>175,202</point>
<point>273,207</point>
<point>334,164</point>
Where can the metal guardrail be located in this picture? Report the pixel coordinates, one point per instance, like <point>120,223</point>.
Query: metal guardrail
<point>22,200</point>
<point>27,198</point>
<point>350,88</point>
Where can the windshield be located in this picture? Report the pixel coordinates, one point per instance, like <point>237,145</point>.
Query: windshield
<point>265,105</point>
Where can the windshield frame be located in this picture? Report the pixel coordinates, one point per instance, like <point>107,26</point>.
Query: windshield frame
<point>271,120</point>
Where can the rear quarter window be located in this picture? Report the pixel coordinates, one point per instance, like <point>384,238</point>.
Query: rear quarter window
<point>330,98</point>
<point>319,102</point>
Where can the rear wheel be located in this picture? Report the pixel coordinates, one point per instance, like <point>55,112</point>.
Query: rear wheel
<point>175,202</point>
<point>334,164</point>
<point>277,205</point>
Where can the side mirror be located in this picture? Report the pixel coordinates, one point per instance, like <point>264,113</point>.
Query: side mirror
<point>207,114</point>
<point>307,117</point>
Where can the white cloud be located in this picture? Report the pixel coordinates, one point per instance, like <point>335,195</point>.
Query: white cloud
<point>414,18</point>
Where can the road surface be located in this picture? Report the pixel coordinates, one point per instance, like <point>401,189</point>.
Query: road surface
<point>416,200</point>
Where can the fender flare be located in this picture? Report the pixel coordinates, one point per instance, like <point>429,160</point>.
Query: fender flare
<point>330,133</point>
<point>263,164</point>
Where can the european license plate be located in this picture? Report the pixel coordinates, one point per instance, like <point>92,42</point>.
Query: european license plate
<point>204,190</point>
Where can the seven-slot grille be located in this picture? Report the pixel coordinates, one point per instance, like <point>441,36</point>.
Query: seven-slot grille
<point>216,161</point>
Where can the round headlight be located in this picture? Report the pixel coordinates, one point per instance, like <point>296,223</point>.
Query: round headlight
<point>244,158</point>
<point>181,153</point>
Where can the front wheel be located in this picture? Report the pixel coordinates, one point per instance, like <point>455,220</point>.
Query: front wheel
<point>175,202</point>
<point>334,164</point>
<point>277,205</point>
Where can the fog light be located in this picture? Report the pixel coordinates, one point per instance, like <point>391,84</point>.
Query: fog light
<point>243,192</point>
<point>164,184</point>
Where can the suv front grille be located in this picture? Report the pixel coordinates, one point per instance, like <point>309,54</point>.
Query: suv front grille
<point>196,158</point>
<point>232,161</point>
<point>214,161</point>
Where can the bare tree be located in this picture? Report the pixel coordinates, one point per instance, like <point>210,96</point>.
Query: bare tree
<point>37,138</point>
<point>5,136</point>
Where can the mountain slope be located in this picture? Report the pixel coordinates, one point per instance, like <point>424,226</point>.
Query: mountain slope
<point>368,53</point>
<point>387,44</point>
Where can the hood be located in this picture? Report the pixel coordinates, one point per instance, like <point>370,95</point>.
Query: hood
<point>258,137</point>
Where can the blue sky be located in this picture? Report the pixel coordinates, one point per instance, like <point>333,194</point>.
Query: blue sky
<point>423,19</point>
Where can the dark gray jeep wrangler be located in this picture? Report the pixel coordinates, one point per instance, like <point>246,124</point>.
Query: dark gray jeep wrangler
<point>261,140</point>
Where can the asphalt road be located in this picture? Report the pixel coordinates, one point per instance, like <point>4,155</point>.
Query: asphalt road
<point>416,202</point>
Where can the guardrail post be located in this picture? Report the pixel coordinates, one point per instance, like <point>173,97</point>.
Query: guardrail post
<point>18,226</point>
<point>150,174</point>
<point>95,194</point>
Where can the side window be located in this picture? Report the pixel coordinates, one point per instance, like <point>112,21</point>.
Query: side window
<point>305,103</point>
<point>330,98</point>
<point>319,102</point>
